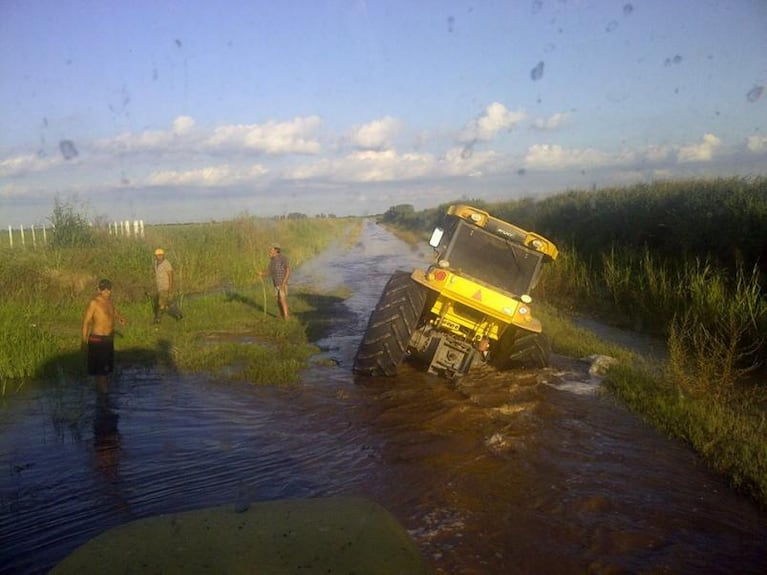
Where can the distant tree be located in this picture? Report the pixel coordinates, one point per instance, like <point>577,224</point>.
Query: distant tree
<point>70,226</point>
<point>398,214</point>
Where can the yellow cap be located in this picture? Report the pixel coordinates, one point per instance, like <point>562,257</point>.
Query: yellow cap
<point>159,252</point>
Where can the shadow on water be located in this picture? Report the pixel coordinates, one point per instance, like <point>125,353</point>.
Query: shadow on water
<point>320,312</point>
<point>323,314</point>
<point>74,364</point>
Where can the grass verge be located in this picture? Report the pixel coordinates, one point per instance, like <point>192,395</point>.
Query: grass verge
<point>230,327</point>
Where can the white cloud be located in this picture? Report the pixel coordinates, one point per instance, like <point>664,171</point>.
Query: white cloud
<point>293,137</point>
<point>208,176</point>
<point>757,144</point>
<point>702,152</point>
<point>153,140</point>
<point>656,153</point>
<point>391,166</point>
<point>187,157</point>
<point>25,164</point>
<point>496,118</point>
<point>375,135</point>
<point>367,166</point>
<point>183,125</point>
<point>148,141</point>
<point>458,163</point>
<point>552,157</point>
<point>552,122</point>
<point>12,190</point>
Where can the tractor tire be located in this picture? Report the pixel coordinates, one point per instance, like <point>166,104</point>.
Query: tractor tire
<point>523,350</point>
<point>392,323</point>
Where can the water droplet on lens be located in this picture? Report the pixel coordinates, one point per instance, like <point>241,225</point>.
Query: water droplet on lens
<point>537,72</point>
<point>755,93</point>
<point>68,149</point>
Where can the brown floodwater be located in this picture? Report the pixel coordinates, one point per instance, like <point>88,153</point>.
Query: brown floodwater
<point>523,472</point>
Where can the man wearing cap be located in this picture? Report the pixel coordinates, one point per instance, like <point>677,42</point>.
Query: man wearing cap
<point>163,274</point>
<point>279,269</point>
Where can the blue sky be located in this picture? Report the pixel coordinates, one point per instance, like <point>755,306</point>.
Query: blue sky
<point>190,111</point>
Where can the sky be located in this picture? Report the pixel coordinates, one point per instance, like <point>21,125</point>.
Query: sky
<point>178,111</point>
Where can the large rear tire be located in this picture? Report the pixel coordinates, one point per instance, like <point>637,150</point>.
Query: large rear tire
<point>392,323</point>
<point>522,349</point>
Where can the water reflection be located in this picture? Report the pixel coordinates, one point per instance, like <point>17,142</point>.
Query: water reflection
<point>106,435</point>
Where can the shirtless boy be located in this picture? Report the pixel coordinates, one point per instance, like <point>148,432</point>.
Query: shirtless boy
<point>98,331</point>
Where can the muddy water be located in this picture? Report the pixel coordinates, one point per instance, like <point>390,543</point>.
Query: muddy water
<point>518,473</point>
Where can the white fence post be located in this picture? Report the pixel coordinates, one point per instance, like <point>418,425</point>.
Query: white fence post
<point>124,228</point>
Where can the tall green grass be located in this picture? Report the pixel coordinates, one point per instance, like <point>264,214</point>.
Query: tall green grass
<point>654,294</point>
<point>24,343</point>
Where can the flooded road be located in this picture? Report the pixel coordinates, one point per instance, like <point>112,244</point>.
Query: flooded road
<point>528,472</point>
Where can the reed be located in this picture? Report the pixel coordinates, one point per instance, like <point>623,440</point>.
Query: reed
<point>714,343</point>
<point>568,282</point>
<point>24,342</point>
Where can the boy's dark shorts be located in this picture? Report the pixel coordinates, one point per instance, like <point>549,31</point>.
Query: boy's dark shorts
<point>101,354</point>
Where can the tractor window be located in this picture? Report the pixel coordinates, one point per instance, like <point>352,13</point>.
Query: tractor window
<point>492,260</point>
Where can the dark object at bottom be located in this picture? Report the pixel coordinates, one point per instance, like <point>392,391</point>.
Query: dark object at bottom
<point>323,535</point>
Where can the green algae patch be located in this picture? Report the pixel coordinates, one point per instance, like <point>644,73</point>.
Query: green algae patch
<point>331,535</point>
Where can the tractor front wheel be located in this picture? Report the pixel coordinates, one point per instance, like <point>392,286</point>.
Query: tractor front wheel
<point>392,323</point>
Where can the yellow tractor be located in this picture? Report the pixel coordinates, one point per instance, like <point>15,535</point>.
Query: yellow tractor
<point>472,305</point>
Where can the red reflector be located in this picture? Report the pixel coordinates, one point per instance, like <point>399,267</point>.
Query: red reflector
<point>478,295</point>
<point>440,275</point>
